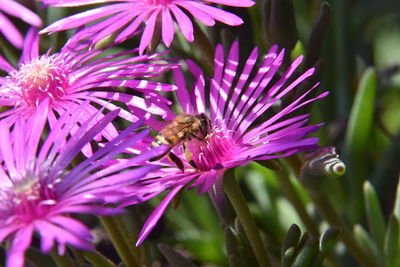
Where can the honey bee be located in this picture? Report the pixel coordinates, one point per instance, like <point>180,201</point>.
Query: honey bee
<point>182,129</point>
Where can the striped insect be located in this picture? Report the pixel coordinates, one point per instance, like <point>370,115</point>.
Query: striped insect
<point>182,129</point>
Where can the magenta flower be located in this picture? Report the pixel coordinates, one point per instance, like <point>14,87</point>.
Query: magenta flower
<point>74,75</point>
<point>39,189</point>
<point>17,10</point>
<point>243,126</point>
<point>128,15</point>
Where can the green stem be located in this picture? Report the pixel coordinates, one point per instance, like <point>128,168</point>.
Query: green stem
<point>239,204</point>
<point>127,236</point>
<point>295,199</point>
<point>118,241</point>
<point>61,260</point>
<point>97,259</point>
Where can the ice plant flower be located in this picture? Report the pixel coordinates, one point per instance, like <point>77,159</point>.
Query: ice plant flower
<point>15,9</point>
<point>39,188</point>
<point>76,74</point>
<point>248,122</point>
<point>127,16</point>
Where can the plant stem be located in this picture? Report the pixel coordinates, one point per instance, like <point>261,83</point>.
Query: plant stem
<point>118,241</point>
<point>239,204</point>
<point>127,236</point>
<point>97,259</point>
<point>295,199</point>
<point>61,260</point>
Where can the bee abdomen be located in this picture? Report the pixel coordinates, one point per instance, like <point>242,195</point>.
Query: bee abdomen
<point>161,140</point>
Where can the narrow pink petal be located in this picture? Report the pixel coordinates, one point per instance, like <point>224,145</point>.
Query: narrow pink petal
<point>218,14</point>
<point>46,236</point>
<point>114,23</point>
<point>7,229</point>
<point>83,18</point>
<point>216,80</point>
<point>128,31</point>
<point>266,102</point>
<point>19,11</point>
<point>129,100</point>
<point>148,31</point>
<point>31,46</point>
<point>73,226</point>
<point>6,150</point>
<point>182,93</point>
<point>265,73</point>
<point>210,180</point>
<point>237,91</point>
<point>156,215</point>
<point>4,65</point>
<point>19,144</point>
<point>10,31</point>
<point>20,243</point>
<point>71,3</point>
<point>198,96</point>
<point>184,22</point>
<point>63,236</point>
<point>202,16</point>
<point>229,74</point>
<point>167,27</point>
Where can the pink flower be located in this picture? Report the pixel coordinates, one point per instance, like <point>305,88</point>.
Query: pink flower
<point>244,127</point>
<point>17,10</point>
<point>39,189</point>
<point>74,75</point>
<point>128,15</point>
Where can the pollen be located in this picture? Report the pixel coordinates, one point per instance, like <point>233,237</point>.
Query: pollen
<point>43,77</point>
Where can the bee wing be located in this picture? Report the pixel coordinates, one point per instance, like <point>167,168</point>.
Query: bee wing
<point>157,125</point>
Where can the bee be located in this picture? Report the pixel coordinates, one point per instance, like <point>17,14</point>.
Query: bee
<point>182,129</point>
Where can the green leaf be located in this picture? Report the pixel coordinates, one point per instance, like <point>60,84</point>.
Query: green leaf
<point>328,239</point>
<point>362,114</point>
<point>326,242</point>
<point>288,257</point>
<point>396,209</point>
<point>97,259</point>
<point>392,243</point>
<point>306,255</point>
<point>357,140</point>
<point>365,240</point>
<point>291,239</point>
<point>174,258</point>
<point>375,217</point>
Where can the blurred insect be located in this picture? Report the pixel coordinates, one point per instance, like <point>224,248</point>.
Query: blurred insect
<point>182,129</point>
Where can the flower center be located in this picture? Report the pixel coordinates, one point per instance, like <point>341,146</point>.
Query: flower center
<point>213,152</point>
<point>43,77</point>
<point>29,198</point>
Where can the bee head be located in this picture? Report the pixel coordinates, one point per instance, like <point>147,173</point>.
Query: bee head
<point>205,123</point>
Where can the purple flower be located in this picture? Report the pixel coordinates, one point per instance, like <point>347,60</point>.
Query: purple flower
<point>128,15</point>
<point>76,74</point>
<point>17,10</point>
<point>39,189</point>
<point>244,125</point>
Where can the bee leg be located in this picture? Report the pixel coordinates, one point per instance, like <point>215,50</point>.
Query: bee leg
<point>197,137</point>
<point>188,156</point>
<point>174,158</point>
<point>158,156</point>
